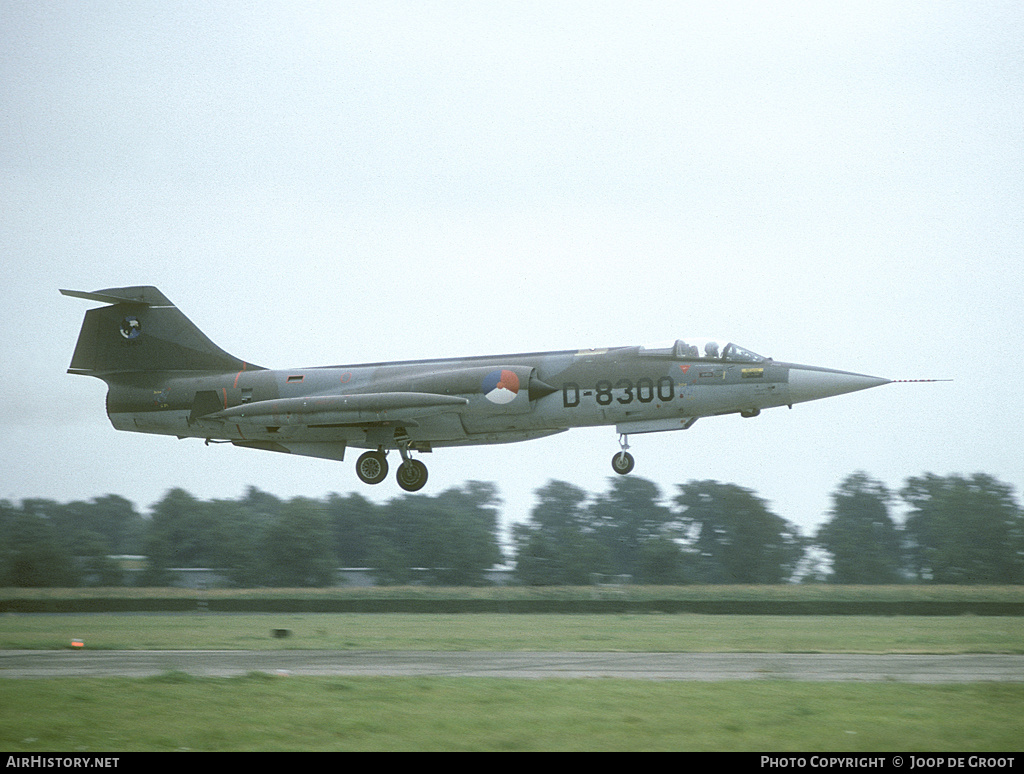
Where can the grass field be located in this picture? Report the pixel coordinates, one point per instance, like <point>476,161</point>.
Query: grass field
<point>260,712</point>
<point>263,712</point>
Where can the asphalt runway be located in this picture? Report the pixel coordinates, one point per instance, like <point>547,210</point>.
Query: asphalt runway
<point>636,666</point>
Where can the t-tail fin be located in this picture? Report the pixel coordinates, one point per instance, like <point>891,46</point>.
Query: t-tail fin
<point>142,331</point>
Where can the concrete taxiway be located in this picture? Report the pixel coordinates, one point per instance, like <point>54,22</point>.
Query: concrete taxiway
<point>636,666</point>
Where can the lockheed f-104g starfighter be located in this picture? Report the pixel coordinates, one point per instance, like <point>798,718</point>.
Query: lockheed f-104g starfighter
<point>165,376</point>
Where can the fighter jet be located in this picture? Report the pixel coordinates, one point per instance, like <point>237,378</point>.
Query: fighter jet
<point>165,376</point>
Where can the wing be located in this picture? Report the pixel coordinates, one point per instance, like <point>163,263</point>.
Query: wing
<point>357,410</point>
<point>449,407</point>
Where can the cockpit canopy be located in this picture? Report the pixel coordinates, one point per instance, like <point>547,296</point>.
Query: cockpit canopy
<point>708,349</point>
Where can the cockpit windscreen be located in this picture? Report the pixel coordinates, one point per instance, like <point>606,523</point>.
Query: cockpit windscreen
<point>707,349</point>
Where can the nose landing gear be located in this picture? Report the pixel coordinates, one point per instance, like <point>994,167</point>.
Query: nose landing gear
<point>623,462</point>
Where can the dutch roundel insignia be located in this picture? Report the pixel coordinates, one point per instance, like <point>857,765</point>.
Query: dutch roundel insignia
<point>501,386</point>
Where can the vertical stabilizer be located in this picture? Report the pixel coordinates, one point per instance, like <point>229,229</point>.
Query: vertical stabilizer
<point>140,330</point>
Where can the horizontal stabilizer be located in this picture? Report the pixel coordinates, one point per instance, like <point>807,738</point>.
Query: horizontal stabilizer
<point>146,295</point>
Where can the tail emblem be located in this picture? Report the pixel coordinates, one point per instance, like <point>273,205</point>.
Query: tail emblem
<point>130,327</point>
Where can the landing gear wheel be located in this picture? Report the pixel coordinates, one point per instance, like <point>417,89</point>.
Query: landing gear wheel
<point>412,475</point>
<point>623,462</point>
<point>372,467</point>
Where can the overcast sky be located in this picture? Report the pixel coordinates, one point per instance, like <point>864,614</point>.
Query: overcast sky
<point>837,184</point>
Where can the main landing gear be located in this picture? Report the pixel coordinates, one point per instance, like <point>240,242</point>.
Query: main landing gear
<point>411,475</point>
<point>623,462</point>
<point>372,468</point>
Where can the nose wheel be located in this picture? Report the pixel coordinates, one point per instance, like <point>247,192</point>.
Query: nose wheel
<point>623,462</point>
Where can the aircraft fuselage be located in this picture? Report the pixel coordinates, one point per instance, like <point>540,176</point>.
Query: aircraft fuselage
<point>634,389</point>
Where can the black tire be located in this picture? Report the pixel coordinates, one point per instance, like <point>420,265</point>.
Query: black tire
<point>623,462</point>
<point>412,475</point>
<point>372,467</point>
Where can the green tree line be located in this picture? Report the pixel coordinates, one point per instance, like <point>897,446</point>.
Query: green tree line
<point>955,529</point>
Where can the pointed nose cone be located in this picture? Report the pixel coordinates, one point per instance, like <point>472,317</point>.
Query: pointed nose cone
<point>806,383</point>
